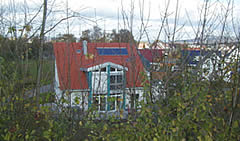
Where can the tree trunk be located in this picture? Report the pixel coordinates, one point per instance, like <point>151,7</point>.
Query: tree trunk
<point>40,55</point>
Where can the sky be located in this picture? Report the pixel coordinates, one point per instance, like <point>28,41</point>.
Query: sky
<point>110,13</point>
<point>107,14</point>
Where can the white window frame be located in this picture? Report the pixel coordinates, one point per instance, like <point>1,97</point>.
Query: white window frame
<point>117,103</point>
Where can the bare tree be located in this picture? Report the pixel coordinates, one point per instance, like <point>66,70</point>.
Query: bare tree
<point>41,51</point>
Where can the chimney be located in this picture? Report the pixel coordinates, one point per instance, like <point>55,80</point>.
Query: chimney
<point>84,47</point>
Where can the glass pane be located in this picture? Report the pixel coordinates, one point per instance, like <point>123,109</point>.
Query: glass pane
<point>119,79</point>
<point>78,51</point>
<point>112,79</point>
<point>112,69</point>
<point>103,103</point>
<point>95,102</point>
<point>118,86</point>
<point>103,69</point>
<point>119,99</point>
<point>137,97</point>
<point>112,103</point>
<point>112,87</point>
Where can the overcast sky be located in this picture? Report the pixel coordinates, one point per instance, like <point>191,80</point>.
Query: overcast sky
<point>108,10</point>
<point>107,14</point>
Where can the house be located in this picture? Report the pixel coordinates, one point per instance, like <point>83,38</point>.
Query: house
<point>211,61</point>
<point>229,58</point>
<point>191,56</point>
<point>153,61</point>
<point>106,76</point>
<point>159,45</point>
<point>151,58</point>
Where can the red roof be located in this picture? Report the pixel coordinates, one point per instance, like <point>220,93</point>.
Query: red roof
<point>71,61</point>
<point>151,54</point>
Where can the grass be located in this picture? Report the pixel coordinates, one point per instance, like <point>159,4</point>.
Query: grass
<point>29,70</point>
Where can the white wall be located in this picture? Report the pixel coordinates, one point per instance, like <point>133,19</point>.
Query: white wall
<point>78,97</point>
<point>138,90</point>
<point>75,94</point>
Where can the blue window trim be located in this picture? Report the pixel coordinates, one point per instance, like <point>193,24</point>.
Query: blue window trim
<point>108,87</point>
<point>90,88</point>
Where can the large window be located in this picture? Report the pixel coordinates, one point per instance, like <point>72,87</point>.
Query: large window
<point>116,82</point>
<point>107,84</point>
<point>100,102</point>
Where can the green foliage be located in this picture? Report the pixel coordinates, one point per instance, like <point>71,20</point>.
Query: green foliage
<point>193,109</point>
<point>20,119</point>
<point>97,35</point>
<point>66,37</point>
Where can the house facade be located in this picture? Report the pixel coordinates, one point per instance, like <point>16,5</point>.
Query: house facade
<point>211,65</point>
<point>105,76</point>
<point>153,60</point>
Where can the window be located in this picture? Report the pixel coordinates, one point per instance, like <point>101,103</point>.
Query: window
<point>156,67</point>
<point>115,101</point>
<point>119,100</point>
<point>101,101</point>
<point>78,51</point>
<point>111,101</point>
<point>135,102</point>
<point>219,66</point>
<point>96,102</point>
<point>103,69</point>
<point>116,82</point>
<point>115,69</point>
<point>119,78</point>
<point>112,51</point>
<point>112,69</point>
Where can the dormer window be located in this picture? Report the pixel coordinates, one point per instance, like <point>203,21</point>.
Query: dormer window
<point>107,86</point>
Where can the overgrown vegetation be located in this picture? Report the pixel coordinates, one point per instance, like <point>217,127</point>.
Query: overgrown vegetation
<point>192,108</point>
<point>195,110</point>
